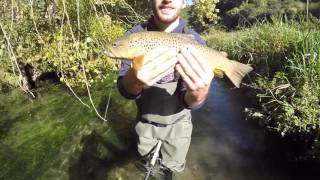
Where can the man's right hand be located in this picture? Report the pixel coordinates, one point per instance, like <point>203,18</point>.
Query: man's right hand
<point>158,63</point>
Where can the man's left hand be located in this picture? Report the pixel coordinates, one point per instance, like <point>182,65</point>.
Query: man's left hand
<point>195,70</point>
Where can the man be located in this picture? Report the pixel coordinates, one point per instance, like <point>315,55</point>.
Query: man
<point>166,88</point>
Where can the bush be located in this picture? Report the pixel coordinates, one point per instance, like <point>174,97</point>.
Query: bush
<point>242,13</point>
<point>63,37</point>
<point>203,14</point>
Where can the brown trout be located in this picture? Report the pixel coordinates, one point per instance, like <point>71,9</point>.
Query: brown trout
<point>136,45</point>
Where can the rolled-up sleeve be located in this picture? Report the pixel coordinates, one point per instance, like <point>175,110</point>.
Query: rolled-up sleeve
<point>125,66</point>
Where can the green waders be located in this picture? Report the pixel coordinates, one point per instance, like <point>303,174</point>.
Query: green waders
<point>164,118</point>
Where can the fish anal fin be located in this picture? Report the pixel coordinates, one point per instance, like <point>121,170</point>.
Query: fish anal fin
<point>137,63</point>
<point>218,73</point>
<point>236,71</point>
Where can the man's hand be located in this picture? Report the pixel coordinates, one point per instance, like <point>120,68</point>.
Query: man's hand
<point>157,63</point>
<point>197,73</point>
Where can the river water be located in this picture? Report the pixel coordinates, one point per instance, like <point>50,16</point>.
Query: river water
<point>227,147</point>
<point>224,145</point>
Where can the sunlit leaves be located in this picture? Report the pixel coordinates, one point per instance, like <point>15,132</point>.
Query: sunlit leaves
<point>70,45</point>
<point>203,14</point>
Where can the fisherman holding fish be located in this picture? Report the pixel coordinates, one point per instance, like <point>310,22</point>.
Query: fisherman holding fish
<point>166,82</point>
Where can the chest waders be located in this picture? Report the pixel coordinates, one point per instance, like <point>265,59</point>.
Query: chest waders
<point>164,118</point>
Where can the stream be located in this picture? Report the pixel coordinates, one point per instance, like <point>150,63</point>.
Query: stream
<point>55,137</point>
<point>227,147</point>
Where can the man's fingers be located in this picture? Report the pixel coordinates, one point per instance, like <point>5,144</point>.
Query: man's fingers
<point>199,61</point>
<point>154,60</point>
<point>154,70</point>
<point>193,61</point>
<point>168,71</point>
<point>158,70</point>
<point>155,53</point>
<point>189,71</point>
<point>202,61</point>
<point>186,78</point>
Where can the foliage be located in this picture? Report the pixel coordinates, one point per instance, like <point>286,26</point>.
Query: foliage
<point>203,14</point>
<point>128,12</point>
<point>291,100</point>
<point>246,13</point>
<point>286,59</point>
<point>266,45</point>
<point>63,36</point>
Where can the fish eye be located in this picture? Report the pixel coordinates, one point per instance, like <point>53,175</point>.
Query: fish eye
<point>114,44</point>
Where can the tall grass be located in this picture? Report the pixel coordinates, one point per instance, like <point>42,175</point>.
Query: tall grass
<point>266,45</point>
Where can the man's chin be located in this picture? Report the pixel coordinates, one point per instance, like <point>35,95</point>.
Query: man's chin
<point>167,18</point>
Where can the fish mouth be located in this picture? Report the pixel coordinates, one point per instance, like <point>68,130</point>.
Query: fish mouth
<point>108,52</point>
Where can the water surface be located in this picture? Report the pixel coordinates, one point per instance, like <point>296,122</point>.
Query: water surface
<point>55,137</point>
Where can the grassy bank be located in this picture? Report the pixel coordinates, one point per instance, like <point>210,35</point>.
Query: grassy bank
<point>286,59</point>
<point>55,137</point>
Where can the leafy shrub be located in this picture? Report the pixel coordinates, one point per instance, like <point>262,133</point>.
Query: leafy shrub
<point>203,14</point>
<point>242,13</point>
<point>66,37</point>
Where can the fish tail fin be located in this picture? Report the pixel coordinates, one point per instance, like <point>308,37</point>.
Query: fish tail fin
<point>237,71</point>
<point>137,62</point>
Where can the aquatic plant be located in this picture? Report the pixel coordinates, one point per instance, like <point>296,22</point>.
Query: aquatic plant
<point>55,137</point>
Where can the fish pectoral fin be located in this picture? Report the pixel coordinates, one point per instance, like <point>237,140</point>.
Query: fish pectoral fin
<point>137,63</point>
<point>218,73</point>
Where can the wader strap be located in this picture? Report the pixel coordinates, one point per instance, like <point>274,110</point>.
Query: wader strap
<point>153,123</point>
